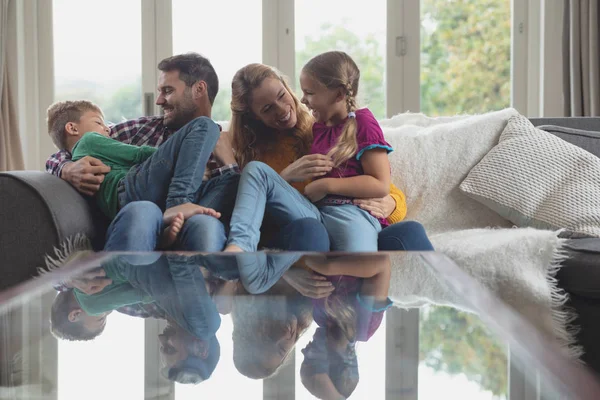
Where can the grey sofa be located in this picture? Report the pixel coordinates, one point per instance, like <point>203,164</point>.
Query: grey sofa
<point>38,211</point>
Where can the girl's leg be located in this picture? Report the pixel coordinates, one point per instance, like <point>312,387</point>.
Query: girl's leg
<point>405,235</point>
<point>173,175</point>
<point>261,187</point>
<point>351,228</point>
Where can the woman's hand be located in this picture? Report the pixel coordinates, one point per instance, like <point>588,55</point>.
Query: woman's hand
<point>379,208</point>
<point>308,167</point>
<point>308,284</point>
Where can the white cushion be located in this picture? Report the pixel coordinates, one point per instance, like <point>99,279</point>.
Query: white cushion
<point>536,179</point>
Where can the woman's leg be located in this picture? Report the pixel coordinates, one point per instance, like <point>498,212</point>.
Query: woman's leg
<point>405,235</point>
<point>306,234</point>
<point>173,175</point>
<point>260,188</point>
<point>351,228</point>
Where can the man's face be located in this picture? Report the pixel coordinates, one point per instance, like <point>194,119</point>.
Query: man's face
<point>176,100</point>
<point>176,344</point>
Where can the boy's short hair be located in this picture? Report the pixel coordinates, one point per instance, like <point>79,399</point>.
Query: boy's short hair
<point>61,113</point>
<point>192,68</point>
<point>61,327</point>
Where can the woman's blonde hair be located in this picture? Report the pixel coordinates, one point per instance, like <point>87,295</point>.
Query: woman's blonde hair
<point>334,70</point>
<point>251,137</point>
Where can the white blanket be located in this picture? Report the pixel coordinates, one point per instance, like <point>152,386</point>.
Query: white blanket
<point>431,158</point>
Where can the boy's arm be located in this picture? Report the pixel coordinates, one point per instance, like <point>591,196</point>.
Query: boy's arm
<point>96,145</point>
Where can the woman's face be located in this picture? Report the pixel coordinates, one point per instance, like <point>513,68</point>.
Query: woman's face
<point>273,105</point>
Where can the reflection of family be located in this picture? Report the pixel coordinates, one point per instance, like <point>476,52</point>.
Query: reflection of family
<point>320,181</point>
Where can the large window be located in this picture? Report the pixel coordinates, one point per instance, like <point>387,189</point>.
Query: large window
<point>459,355</point>
<point>230,39</point>
<point>98,55</point>
<point>465,56</point>
<point>358,30</point>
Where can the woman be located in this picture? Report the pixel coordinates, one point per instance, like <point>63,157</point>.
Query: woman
<point>269,124</point>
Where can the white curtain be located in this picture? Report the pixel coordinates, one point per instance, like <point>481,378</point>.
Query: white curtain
<point>581,57</point>
<point>11,155</point>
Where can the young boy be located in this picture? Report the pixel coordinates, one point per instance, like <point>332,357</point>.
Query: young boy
<point>170,176</point>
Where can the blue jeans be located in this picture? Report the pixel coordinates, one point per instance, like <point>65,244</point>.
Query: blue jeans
<point>138,226</point>
<point>261,188</point>
<point>306,234</point>
<point>405,235</point>
<point>173,175</point>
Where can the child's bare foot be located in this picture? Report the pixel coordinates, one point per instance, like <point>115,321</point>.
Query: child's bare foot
<point>187,210</point>
<point>232,248</point>
<point>171,232</point>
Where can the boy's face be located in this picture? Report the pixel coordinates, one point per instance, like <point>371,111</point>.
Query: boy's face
<point>91,121</point>
<point>92,323</point>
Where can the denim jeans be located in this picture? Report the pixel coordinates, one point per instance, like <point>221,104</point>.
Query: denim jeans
<point>261,188</point>
<point>138,226</point>
<point>405,235</point>
<point>173,175</point>
<point>306,234</point>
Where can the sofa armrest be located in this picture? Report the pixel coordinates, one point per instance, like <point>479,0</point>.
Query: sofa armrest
<point>38,212</point>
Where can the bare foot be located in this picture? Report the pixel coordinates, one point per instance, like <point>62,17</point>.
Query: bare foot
<point>232,248</point>
<point>187,210</point>
<point>171,232</point>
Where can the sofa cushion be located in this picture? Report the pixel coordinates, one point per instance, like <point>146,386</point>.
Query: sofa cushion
<point>536,179</point>
<point>588,140</point>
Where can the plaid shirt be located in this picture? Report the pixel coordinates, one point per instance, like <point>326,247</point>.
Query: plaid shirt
<point>149,131</point>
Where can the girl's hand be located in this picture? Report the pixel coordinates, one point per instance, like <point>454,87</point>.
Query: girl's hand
<point>379,208</point>
<point>316,190</point>
<point>308,167</point>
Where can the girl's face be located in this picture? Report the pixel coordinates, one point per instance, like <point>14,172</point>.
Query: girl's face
<point>325,104</point>
<point>273,105</point>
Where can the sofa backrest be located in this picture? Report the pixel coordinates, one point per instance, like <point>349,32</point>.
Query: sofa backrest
<point>573,134</point>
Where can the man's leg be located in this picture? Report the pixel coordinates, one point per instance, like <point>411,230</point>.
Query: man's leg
<point>173,175</point>
<point>137,227</point>
<point>405,235</point>
<point>306,234</point>
<point>202,233</point>
<point>219,193</point>
<point>261,188</point>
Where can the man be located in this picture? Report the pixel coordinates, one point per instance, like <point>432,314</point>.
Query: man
<point>187,87</point>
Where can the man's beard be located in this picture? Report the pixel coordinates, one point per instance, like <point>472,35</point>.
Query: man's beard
<point>183,113</point>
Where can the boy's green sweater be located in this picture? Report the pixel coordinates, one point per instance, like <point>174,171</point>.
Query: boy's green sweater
<point>116,295</point>
<point>120,157</point>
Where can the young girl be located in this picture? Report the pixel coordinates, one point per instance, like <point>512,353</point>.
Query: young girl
<point>351,138</point>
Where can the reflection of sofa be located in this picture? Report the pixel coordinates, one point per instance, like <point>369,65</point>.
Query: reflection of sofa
<point>38,211</point>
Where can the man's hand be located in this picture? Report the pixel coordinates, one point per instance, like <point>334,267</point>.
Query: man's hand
<point>379,208</point>
<point>317,190</point>
<point>90,282</point>
<point>223,150</point>
<point>308,283</point>
<point>85,174</point>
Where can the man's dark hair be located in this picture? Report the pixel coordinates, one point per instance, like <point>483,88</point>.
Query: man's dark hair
<point>192,68</point>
